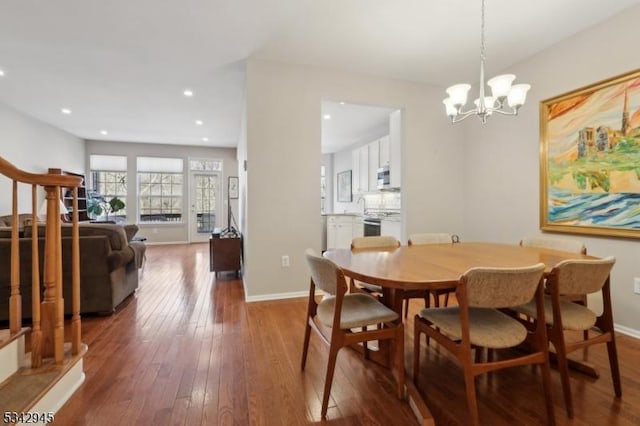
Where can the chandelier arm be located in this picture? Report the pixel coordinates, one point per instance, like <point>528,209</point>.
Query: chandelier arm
<point>511,111</point>
<point>461,116</point>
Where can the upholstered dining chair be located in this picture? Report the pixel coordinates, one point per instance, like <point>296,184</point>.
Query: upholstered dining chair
<point>476,323</point>
<point>383,241</point>
<point>584,276</point>
<point>563,244</point>
<point>343,313</point>
<point>427,238</point>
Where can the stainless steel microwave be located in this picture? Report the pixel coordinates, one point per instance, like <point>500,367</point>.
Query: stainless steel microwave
<point>384,178</point>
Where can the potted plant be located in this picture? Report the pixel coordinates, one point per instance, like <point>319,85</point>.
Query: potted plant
<point>97,205</point>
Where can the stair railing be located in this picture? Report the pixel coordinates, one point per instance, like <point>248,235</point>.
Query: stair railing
<point>47,332</point>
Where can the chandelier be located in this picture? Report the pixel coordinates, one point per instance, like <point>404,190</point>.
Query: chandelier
<point>505,98</point>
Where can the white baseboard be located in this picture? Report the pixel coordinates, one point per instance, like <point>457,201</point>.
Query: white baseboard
<point>168,243</point>
<point>627,331</point>
<point>55,398</point>
<point>276,296</point>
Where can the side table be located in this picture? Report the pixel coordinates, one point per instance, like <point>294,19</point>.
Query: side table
<point>225,254</point>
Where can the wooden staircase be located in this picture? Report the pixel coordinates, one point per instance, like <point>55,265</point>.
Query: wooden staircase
<point>39,369</point>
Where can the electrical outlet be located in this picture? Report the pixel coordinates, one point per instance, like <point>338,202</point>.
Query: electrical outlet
<point>284,261</point>
<point>636,285</point>
<point>154,230</point>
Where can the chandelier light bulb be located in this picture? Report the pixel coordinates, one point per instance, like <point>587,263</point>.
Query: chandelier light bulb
<point>458,94</point>
<point>501,84</point>
<point>451,110</point>
<point>518,95</point>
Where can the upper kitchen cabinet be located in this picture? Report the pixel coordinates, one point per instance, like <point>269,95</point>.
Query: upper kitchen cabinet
<point>395,149</point>
<point>384,147</point>
<point>360,169</point>
<point>374,163</point>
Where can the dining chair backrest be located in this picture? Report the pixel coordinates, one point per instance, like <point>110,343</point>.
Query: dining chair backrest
<point>376,241</point>
<point>430,238</point>
<point>324,273</point>
<point>502,287</point>
<point>581,276</point>
<point>563,244</point>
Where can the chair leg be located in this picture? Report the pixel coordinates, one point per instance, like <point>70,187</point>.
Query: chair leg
<point>331,366</point>
<point>305,345</point>
<point>613,365</point>
<point>545,370</point>
<point>563,368</point>
<point>406,308</point>
<point>472,402</point>
<point>446,299</point>
<point>365,346</point>
<point>399,351</point>
<point>416,348</point>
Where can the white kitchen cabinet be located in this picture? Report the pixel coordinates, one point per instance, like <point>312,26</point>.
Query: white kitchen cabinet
<point>360,169</point>
<point>392,228</point>
<point>340,231</point>
<point>384,143</point>
<point>374,163</point>
<point>358,228</point>
<point>395,149</point>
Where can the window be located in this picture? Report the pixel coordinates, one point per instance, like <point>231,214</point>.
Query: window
<point>108,181</point>
<point>160,189</point>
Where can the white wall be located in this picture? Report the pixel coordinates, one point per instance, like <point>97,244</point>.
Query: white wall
<point>283,151</point>
<point>168,232</point>
<point>502,164</point>
<point>34,146</point>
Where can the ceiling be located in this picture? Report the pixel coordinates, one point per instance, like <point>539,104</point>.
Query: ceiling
<point>346,124</point>
<point>121,66</point>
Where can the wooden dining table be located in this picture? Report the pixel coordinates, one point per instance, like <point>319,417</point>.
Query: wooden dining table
<point>432,267</point>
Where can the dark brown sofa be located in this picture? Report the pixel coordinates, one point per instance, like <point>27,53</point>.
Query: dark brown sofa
<point>109,263</point>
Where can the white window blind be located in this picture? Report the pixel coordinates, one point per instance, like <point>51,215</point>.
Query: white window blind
<point>160,165</point>
<point>113,163</point>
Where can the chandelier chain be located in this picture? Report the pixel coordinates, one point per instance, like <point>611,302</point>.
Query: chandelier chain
<point>482,43</point>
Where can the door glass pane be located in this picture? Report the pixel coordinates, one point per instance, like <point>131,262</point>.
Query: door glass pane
<point>206,187</point>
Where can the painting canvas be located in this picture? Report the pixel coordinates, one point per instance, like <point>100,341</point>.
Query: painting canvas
<point>590,159</point>
<point>344,187</point>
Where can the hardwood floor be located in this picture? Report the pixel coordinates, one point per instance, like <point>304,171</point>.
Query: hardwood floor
<point>187,350</point>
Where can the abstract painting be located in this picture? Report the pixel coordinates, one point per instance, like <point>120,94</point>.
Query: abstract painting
<point>590,159</point>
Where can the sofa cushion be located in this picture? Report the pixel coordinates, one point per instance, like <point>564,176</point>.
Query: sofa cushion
<point>23,220</point>
<point>115,233</point>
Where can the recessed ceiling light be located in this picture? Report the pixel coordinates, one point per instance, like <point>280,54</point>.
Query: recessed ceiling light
<point>341,103</point>
<point>65,111</point>
<point>1,73</point>
<point>104,132</point>
<point>205,139</point>
<point>327,117</point>
<point>199,122</point>
<point>188,93</point>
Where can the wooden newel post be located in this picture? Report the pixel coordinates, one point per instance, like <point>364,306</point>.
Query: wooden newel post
<point>52,303</point>
<point>36,332</point>
<point>76,337</point>
<point>15,299</point>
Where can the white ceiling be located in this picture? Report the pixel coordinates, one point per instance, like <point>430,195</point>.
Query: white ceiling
<point>121,65</point>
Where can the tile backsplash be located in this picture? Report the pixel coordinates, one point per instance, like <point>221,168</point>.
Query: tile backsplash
<point>383,201</point>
